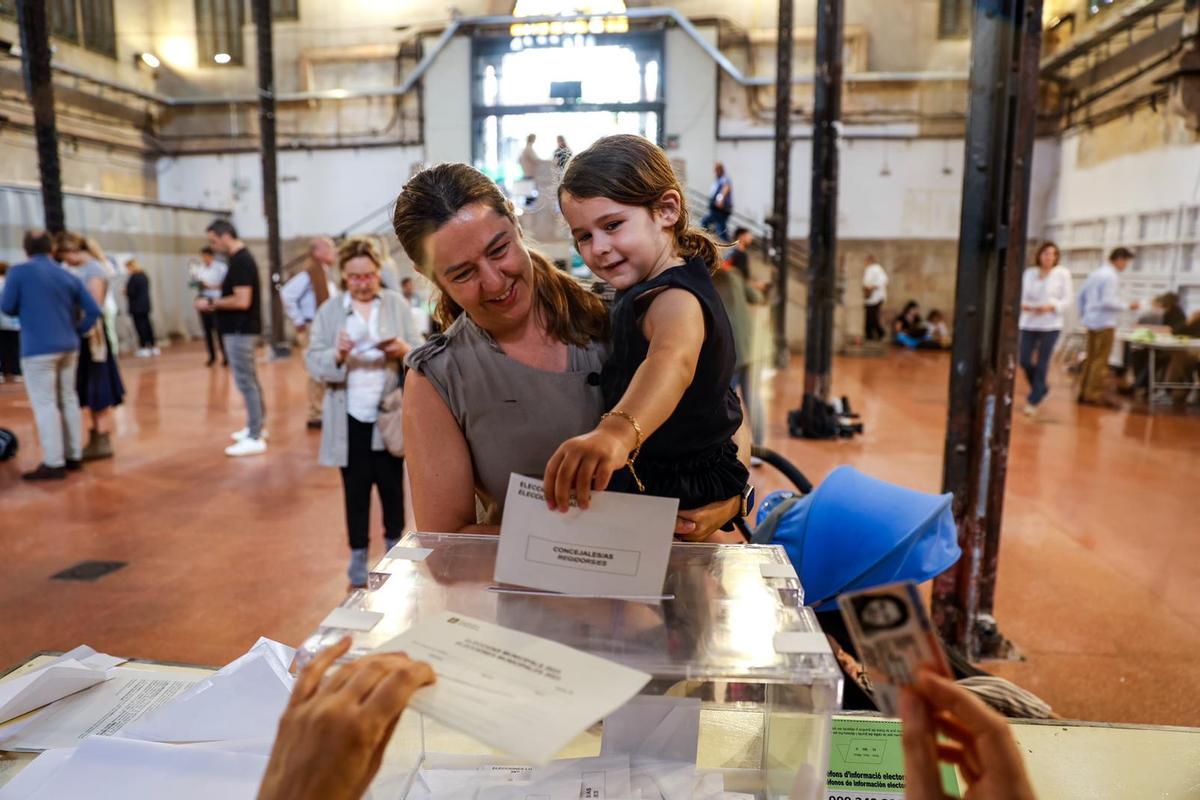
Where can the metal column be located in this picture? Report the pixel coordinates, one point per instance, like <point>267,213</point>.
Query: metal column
<point>1002,109</point>
<point>783,170</point>
<point>261,10</point>
<point>32,18</point>
<point>822,234</point>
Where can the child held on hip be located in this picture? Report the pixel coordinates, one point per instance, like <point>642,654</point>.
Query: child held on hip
<point>671,412</point>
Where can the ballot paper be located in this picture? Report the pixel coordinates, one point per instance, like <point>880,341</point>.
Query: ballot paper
<point>617,547</point>
<point>654,728</point>
<point>71,672</point>
<point>103,710</point>
<point>36,774</point>
<point>105,768</point>
<point>519,693</point>
<point>242,700</point>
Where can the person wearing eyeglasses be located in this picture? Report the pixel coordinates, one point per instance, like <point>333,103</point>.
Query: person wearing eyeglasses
<point>356,347</point>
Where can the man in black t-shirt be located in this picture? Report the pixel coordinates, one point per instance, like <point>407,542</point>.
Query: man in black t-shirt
<point>239,321</point>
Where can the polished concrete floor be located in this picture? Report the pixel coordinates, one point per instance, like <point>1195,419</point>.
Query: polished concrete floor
<point>1099,572</point>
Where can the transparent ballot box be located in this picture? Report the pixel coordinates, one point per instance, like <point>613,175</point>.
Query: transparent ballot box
<point>731,630</point>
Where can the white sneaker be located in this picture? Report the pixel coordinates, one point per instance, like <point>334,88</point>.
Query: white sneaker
<point>247,447</point>
<point>142,352</point>
<point>238,436</point>
<point>1030,410</point>
<point>154,351</point>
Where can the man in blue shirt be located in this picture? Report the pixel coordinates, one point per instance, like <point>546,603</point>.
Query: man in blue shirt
<point>1099,305</point>
<point>55,310</point>
<point>720,204</point>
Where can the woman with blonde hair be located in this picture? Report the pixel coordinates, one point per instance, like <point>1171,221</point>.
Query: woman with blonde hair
<point>98,379</point>
<point>356,347</point>
<point>516,371</point>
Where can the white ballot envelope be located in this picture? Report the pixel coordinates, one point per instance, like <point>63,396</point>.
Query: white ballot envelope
<point>101,710</point>
<point>618,547</point>
<point>243,700</point>
<point>519,693</point>
<point>71,672</point>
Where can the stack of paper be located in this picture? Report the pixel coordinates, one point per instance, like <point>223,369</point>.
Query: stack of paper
<point>243,700</point>
<point>72,672</point>
<point>105,768</point>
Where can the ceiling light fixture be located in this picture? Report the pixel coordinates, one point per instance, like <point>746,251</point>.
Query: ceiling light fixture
<point>150,60</point>
<point>222,58</point>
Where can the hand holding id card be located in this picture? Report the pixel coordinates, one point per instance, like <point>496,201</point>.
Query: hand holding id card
<point>894,638</point>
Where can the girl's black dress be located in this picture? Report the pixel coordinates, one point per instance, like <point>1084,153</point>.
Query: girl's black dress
<point>692,456</point>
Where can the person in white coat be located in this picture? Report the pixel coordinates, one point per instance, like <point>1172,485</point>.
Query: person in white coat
<point>359,340</point>
<point>1045,295</point>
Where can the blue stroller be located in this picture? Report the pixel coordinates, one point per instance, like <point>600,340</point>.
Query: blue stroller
<point>854,532</point>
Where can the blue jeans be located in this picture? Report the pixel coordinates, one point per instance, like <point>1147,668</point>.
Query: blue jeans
<point>239,349</point>
<point>1036,347</point>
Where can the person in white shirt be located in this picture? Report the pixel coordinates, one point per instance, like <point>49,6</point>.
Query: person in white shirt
<point>208,279</point>
<point>1099,305</point>
<point>358,343</point>
<point>1045,294</point>
<point>302,295</point>
<point>875,281</point>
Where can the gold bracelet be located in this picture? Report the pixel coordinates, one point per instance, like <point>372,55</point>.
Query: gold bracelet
<point>637,447</point>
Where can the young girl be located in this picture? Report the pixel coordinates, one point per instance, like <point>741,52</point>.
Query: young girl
<point>671,412</point>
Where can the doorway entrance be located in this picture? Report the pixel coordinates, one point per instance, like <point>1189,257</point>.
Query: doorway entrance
<point>580,87</point>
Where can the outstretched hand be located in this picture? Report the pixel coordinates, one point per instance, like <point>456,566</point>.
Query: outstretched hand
<point>335,729</point>
<point>582,464</point>
<point>980,743</point>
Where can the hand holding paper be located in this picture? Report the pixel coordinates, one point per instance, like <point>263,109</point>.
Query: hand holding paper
<point>618,547</point>
<point>519,693</point>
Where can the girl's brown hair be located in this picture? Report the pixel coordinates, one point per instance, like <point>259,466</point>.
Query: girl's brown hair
<point>1037,259</point>
<point>434,196</point>
<point>633,171</point>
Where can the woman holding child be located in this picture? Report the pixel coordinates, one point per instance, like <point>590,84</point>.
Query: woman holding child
<point>517,372</point>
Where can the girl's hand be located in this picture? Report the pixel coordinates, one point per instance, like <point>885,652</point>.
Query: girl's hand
<point>583,463</point>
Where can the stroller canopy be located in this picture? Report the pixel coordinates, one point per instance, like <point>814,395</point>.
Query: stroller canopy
<point>855,532</point>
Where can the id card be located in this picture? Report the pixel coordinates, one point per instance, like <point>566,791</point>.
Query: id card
<point>894,638</point>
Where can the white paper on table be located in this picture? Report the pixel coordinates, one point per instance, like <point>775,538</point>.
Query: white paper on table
<point>106,768</point>
<point>655,728</point>
<point>709,786</point>
<point>619,546</point>
<point>103,710</point>
<point>242,700</point>
<point>601,778</point>
<point>71,672</point>
<point>519,693</point>
<point>665,780</point>
<point>36,774</point>
<point>561,789</point>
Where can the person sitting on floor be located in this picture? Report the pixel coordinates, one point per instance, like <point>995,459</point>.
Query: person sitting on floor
<point>938,335</point>
<point>908,328</point>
